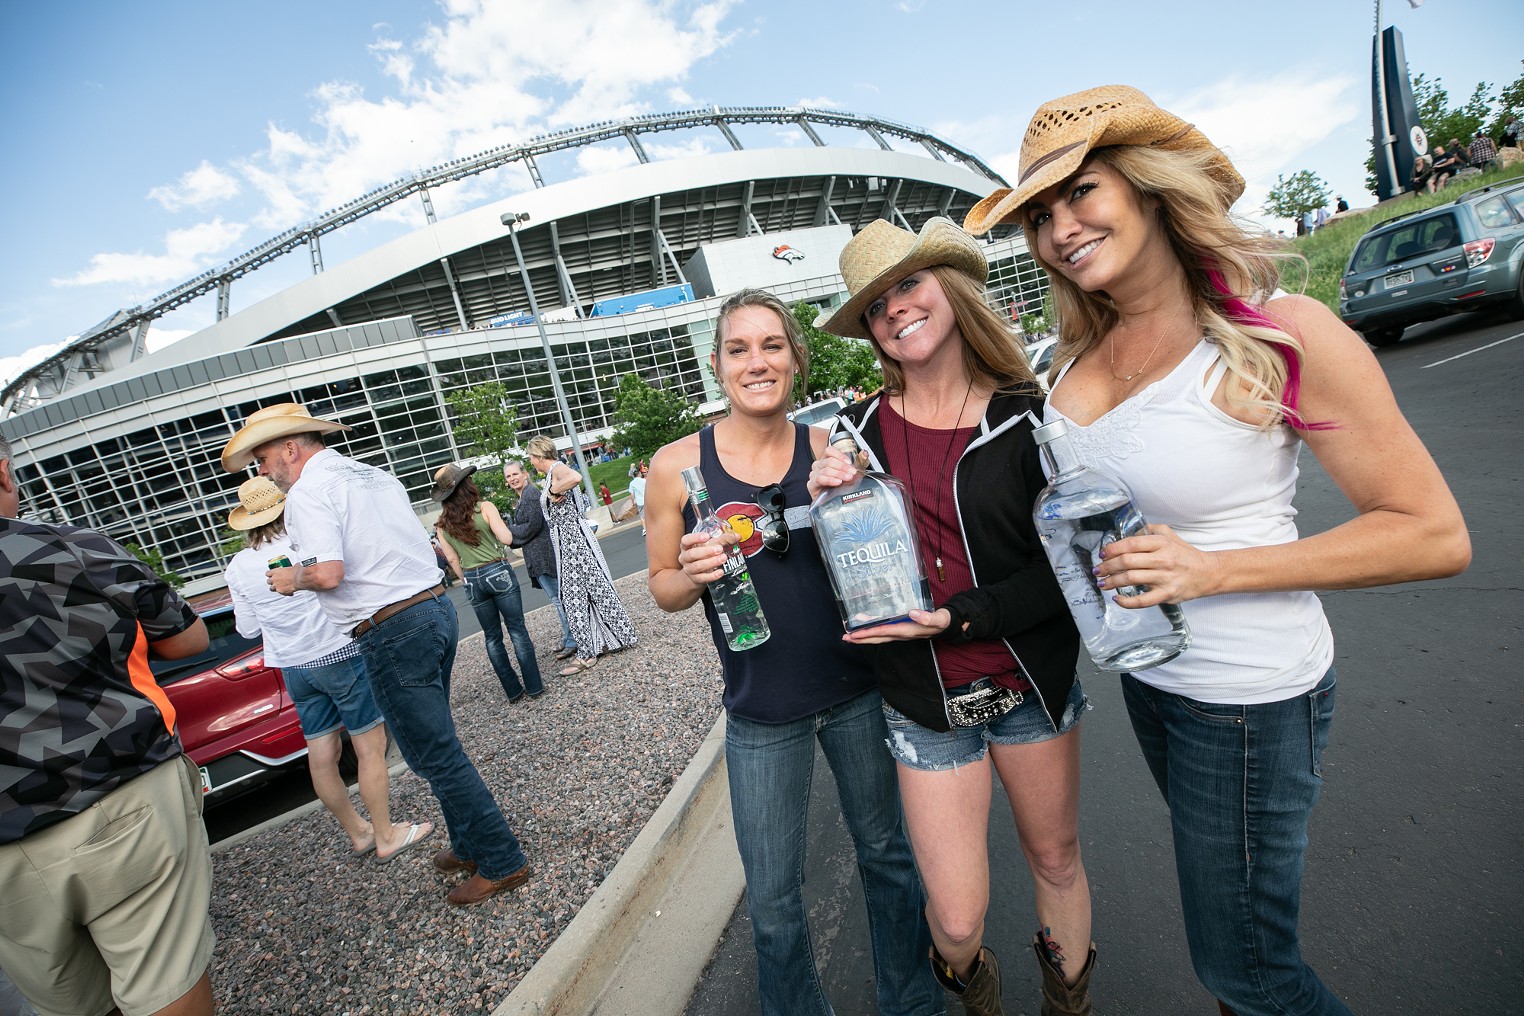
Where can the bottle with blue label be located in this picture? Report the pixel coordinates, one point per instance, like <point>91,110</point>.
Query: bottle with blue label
<point>867,537</point>
<point>1078,514</point>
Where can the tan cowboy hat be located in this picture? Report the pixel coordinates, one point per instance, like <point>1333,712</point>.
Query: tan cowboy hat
<point>259,501</point>
<point>448,478</point>
<point>1064,131</point>
<point>883,253</point>
<point>268,424</point>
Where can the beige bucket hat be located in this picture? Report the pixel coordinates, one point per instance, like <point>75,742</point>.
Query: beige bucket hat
<point>1064,131</point>
<point>259,501</point>
<point>883,253</point>
<point>268,424</point>
<point>447,479</point>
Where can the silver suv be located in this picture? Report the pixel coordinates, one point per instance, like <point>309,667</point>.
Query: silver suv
<point>1459,256</point>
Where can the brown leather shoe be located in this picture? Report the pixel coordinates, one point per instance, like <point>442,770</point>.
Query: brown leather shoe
<point>446,863</point>
<point>476,888</point>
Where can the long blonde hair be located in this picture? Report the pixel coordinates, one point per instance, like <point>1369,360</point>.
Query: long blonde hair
<point>1227,269</point>
<point>991,351</point>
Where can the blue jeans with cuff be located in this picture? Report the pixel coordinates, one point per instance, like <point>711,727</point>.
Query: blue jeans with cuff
<point>1240,782</point>
<point>770,767</point>
<point>550,585</point>
<point>493,590</point>
<point>409,657</point>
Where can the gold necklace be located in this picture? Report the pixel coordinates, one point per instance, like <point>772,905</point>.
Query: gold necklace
<point>1111,349</point>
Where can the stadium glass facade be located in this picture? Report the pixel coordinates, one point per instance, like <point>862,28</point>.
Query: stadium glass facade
<point>137,458</point>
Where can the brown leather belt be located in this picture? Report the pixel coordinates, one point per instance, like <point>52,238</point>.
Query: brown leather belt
<point>393,609</point>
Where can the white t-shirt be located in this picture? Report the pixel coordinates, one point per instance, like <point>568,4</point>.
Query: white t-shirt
<point>638,491</point>
<point>343,510</point>
<point>294,628</point>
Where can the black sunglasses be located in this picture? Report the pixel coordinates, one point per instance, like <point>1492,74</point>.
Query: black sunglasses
<point>772,526</point>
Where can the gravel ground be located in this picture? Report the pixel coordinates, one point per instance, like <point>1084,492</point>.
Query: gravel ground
<point>305,928</point>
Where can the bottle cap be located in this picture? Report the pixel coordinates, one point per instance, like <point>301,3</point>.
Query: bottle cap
<point>693,480</point>
<point>845,443</point>
<point>1048,431</point>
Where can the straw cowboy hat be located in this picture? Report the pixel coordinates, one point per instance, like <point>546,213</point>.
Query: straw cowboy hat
<point>259,501</point>
<point>1064,131</point>
<point>268,424</point>
<point>882,254</point>
<point>448,478</point>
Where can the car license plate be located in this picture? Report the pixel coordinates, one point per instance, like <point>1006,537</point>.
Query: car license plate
<point>1399,279</point>
<point>206,781</point>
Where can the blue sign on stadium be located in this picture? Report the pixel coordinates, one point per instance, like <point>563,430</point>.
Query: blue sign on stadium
<point>651,298</point>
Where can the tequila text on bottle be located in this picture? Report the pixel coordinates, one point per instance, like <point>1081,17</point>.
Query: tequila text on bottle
<point>867,537</point>
<point>1079,514</point>
<point>733,595</point>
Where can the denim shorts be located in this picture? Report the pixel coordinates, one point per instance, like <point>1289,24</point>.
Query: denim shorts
<point>332,697</point>
<point>927,750</point>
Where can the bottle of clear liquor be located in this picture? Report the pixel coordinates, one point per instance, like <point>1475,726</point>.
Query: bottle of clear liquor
<point>1079,514</point>
<point>733,595</point>
<point>867,537</point>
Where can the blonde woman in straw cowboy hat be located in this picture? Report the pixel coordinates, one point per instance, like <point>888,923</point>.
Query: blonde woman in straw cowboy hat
<point>324,674</point>
<point>1174,374</point>
<point>984,683</point>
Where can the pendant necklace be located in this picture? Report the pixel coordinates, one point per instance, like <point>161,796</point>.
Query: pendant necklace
<point>952,439</point>
<point>1111,349</point>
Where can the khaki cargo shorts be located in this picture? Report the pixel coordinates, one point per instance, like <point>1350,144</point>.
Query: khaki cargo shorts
<point>113,902</point>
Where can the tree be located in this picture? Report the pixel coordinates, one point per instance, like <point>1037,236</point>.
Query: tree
<point>1293,198</point>
<point>1441,123</point>
<point>835,362</point>
<point>486,422</point>
<point>646,417</point>
<point>155,562</point>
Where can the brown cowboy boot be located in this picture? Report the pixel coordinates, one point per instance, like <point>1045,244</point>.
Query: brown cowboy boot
<point>1223,1010</point>
<point>1059,999</point>
<point>981,996</point>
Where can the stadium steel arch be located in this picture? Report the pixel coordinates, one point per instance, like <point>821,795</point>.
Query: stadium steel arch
<point>381,340</point>
<point>121,338</point>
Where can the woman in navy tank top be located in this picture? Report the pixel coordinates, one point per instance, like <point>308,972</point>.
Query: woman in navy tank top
<point>803,686</point>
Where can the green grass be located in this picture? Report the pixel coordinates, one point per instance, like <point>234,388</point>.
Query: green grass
<point>1327,250</point>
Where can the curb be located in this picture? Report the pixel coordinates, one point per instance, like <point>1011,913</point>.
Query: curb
<point>614,935</point>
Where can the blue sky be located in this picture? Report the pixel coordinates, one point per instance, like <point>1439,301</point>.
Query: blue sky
<point>148,142</point>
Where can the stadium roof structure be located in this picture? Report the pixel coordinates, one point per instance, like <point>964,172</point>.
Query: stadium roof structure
<point>591,240</point>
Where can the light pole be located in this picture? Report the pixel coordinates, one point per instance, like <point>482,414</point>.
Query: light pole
<point>512,220</point>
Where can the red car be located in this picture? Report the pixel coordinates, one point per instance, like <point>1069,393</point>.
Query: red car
<point>235,717</point>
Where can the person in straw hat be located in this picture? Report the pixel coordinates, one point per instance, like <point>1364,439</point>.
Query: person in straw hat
<point>324,674</point>
<point>475,542</point>
<point>985,682</point>
<point>1174,374</point>
<point>356,542</point>
<point>804,687</point>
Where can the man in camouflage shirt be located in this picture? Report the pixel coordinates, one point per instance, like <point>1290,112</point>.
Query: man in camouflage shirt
<point>103,856</point>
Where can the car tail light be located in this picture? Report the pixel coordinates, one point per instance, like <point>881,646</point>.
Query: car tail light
<point>1478,251</point>
<point>240,669</point>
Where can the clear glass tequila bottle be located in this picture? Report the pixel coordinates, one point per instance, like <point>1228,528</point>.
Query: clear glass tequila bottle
<point>1079,514</point>
<point>867,537</point>
<point>733,595</point>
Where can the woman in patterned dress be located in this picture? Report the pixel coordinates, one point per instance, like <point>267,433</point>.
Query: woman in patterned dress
<point>598,618</point>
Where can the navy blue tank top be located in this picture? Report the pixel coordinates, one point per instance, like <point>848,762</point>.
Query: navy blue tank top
<point>805,667</point>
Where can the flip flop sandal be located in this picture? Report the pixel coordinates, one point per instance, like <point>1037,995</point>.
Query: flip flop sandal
<point>416,833</point>
<point>578,665</point>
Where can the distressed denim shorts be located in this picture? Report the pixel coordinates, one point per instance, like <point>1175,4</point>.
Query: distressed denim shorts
<point>918,747</point>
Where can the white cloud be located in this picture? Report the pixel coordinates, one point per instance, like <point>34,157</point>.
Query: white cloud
<point>12,367</point>
<point>186,252</point>
<point>605,159</point>
<point>202,186</point>
<point>679,97</point>
<point>822,102</point>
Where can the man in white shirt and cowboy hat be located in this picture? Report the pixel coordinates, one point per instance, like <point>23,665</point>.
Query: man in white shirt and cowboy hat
<point>357,543</point>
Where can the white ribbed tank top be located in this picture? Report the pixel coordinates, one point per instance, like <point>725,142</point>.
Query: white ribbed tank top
<point>1221,484</point>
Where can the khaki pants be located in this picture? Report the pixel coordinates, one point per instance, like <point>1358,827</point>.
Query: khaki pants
<point>110,906</point>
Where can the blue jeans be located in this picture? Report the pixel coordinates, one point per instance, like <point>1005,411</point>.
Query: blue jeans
<point>409,657</point>
<point>493,590</point>
<point>1240,782</point>
<point>770,767</point>
<point>550,585</point>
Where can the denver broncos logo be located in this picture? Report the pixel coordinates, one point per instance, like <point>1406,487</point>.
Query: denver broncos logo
<point>742,516</point>
<point>784,252</point>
